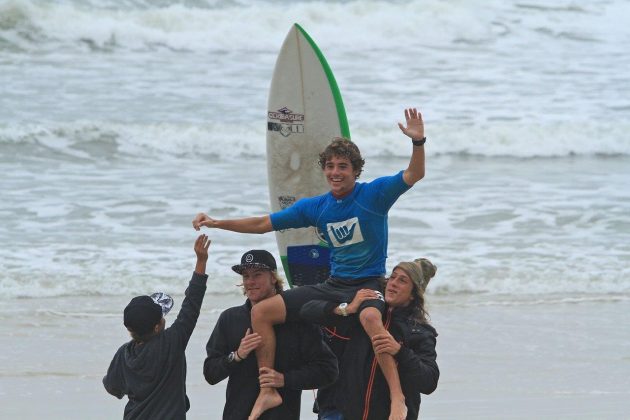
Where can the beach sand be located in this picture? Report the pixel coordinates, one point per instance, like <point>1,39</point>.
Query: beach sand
<point>535,357</point>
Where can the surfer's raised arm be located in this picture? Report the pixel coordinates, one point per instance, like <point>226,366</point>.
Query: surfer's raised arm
<point>414,130</point>
<point>260,224</point>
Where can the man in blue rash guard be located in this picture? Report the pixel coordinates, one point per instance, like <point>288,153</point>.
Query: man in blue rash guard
<point>353,220</point>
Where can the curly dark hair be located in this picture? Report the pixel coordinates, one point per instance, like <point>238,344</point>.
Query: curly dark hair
<point>343,147</point>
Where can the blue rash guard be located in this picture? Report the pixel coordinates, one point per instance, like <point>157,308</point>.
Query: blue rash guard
<point>355,227</point>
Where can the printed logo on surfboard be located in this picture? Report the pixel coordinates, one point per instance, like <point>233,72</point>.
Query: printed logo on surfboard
<point>345,233</point>
<point>286,201</point>
<point>288,122</point>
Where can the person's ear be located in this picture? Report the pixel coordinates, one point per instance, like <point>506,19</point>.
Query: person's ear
<point>159,326</point>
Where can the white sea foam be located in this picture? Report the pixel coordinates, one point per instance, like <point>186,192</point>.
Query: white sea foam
<point>493,78</point>
<point>104,140</point>
<point>254,24</point>
<point>493,226</point>
<point>121,119</point>
<point>31,24</point>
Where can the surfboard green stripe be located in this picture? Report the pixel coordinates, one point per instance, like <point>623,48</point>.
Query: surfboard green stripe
<point>341,110</point>
<point>344,127</point>
<point>287,272</point>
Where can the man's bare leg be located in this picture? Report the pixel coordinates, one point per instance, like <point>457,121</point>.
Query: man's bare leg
<point>372,322</point>
<point>265,315</point>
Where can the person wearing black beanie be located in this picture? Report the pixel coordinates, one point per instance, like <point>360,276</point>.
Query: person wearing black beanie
<point>151,368</point>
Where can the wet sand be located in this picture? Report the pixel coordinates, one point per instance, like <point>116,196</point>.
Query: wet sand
<point>535,357</point>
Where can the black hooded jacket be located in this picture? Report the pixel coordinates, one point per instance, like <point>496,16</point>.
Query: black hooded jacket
<point>361,391</point>
<point>301,355</point>
<point>153,374</point>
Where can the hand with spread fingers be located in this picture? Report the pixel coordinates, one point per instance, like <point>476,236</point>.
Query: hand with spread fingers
<point>385,343</point>
<point>415,125</point>
<point>270,378</point>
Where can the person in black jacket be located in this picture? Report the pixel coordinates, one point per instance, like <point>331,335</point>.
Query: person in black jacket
<point>303,360</point>
<point>361,391</point>
<point>151,368</point>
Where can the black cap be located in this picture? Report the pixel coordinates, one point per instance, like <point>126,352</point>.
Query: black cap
<point>142,314</point>
<point>256,258</point>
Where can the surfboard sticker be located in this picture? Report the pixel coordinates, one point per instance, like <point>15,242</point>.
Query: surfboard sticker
<point>305,112</point>
<point>286,201</point>
<point>285,121</point>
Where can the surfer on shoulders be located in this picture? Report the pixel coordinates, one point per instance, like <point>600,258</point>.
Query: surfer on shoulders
<point>352,217</point>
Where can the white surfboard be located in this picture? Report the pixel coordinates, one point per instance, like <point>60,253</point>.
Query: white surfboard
<point>305,112</point>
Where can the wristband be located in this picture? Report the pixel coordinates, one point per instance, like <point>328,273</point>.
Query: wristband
<point>419,142</point>
<point>238,355</point>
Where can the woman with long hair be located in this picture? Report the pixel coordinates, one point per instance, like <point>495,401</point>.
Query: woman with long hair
<point>361,391</point>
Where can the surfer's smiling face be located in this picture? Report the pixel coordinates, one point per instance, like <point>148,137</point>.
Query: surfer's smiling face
<point>259,284</point>
<point>340,175</point>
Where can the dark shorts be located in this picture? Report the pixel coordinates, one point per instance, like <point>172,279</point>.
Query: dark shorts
<point>332,290</point>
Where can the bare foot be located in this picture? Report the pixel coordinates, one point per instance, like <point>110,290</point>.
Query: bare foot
<point>398,410</point>
<point>268,398</point>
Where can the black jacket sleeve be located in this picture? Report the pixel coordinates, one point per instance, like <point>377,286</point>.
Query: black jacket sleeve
<point>319,367</point>
<point>113,380</point>
<point>417,361</point>
<point>186,320</point>
<point>216,367</point>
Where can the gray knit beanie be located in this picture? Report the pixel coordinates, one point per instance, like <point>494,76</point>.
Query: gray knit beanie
<point>421,270</point>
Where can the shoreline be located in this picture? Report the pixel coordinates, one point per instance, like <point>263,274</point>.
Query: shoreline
<point>523,360</point>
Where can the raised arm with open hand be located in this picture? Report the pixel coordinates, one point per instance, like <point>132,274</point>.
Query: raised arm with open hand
<point>201,249</point>
<point>415,130</point>
<point>415,126</point>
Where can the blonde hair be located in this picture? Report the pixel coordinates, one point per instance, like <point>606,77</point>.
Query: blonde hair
<point>279,281</point>
<point>278,285</point>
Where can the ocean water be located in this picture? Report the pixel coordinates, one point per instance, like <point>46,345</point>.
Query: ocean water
<point>121,119</point>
